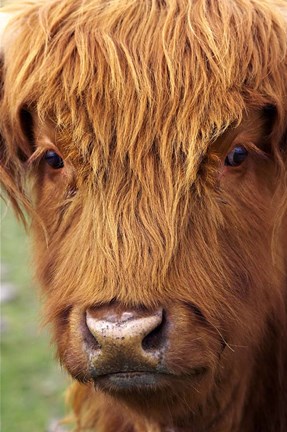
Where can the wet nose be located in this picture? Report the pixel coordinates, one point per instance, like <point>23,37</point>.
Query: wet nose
<point>122,339</point>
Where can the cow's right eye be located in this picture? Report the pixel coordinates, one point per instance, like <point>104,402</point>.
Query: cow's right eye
<point>53,159</point>
<point>236,157</point>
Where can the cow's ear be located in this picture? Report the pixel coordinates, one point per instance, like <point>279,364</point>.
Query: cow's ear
<point>11,165</point>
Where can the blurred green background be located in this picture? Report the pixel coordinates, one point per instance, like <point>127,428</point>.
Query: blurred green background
<point>32,384</point>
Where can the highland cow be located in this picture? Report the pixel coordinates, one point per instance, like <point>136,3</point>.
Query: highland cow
<point>145,142</point>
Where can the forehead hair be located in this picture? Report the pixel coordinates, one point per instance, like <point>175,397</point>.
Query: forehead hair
<point>132,88</point>
<point>169,73</point>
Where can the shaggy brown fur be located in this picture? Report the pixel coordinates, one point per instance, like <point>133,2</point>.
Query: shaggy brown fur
<point>143,100</point>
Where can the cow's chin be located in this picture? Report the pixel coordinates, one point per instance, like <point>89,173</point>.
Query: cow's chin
<point>154,396</point>
<point>162,397</point>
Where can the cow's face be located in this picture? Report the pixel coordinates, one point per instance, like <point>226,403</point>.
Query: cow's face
<point>158,292</point>
<point>157,188</point>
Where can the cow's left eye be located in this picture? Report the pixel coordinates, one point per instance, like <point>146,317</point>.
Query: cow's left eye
<point>53,159</point>
<point>236,157</point>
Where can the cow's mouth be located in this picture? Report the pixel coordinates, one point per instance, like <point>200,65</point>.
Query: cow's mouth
<point>135,380</point>
<point>129,380</point>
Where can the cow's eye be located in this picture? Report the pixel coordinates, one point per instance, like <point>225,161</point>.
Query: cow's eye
<point>53,159</point>
<point>236,156</point>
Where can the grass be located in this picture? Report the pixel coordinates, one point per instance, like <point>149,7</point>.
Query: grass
<point>32,385</point>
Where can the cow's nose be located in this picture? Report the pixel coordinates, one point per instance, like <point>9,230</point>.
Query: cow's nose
<point>121,340</point>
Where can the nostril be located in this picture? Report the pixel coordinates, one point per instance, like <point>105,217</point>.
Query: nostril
<point>157,337</point>
<point>88,337</point>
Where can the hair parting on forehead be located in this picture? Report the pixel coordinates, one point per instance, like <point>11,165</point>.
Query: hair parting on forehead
<point>156,75</point>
